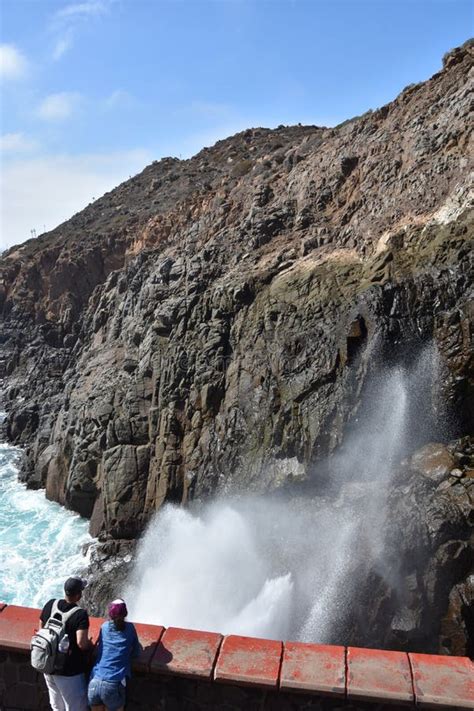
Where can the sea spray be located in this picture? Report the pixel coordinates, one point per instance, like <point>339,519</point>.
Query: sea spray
<point>40,541</point>
<point>208,571</point>
<point>288,568</point>
<point>363,470</point>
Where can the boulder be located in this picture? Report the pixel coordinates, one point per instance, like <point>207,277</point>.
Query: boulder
<point>433,462</point>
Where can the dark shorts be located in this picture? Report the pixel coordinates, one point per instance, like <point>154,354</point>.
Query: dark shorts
<point>109,693</point>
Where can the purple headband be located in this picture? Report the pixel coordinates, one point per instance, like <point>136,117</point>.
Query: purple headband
<point>117,608</point>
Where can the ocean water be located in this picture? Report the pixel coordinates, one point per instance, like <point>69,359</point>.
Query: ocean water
<point>41,542</point>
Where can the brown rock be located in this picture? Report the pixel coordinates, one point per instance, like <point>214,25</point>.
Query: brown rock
<point>433,461</point>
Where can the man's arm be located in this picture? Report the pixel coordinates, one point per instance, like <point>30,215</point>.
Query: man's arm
<point>83,641</point>
<point>45,613</point>
<point>82,630</point>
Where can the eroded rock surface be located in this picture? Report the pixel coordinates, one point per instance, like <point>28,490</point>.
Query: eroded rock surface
<point>209,325</point>
<point>428,559</point>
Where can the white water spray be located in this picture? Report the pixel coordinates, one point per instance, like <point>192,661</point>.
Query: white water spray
<point>283,569</point>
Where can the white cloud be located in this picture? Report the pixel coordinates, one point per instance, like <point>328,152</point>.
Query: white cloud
<point>119,99</point>
<point>16,143</point>
<point>42,192</point>
<point>13,64</point>
<point>66,21</point>
<point>63,44</point>
<point>58,107</point>
<point>82,9</point>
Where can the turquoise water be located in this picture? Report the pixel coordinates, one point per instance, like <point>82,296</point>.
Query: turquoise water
<point>40,541</point>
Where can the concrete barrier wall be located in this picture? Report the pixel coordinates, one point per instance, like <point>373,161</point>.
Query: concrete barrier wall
<point>203,671</point>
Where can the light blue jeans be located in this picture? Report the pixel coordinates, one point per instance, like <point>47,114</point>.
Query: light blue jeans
<point>109,693</point>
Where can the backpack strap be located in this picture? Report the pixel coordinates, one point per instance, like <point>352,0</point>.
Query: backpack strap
<point>67,615</point>
<point>64,615</point>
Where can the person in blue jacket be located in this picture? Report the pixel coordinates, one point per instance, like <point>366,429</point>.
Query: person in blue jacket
<point>118,644</point>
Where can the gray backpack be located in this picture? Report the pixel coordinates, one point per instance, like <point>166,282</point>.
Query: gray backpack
<point>50,645</point>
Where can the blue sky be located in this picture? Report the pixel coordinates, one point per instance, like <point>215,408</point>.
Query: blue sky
<point>93,90</point>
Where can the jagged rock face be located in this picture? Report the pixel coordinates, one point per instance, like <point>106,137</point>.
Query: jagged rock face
<point>209,324</point>
<point>424,603</point>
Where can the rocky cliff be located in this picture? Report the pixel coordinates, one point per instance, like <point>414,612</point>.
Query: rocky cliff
<point>210,324</point>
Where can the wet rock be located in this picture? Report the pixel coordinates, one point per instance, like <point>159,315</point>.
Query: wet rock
<point>434,462</point>
<point>458,623</point>
<point>110,564</point>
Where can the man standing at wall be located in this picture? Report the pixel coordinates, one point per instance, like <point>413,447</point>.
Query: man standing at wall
<point>68,688</point>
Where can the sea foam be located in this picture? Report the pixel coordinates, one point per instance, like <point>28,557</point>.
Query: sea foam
<point>40,541</point>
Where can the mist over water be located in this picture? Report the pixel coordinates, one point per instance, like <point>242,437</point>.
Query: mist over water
<point>265,566</point>
<point>40,541</point>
